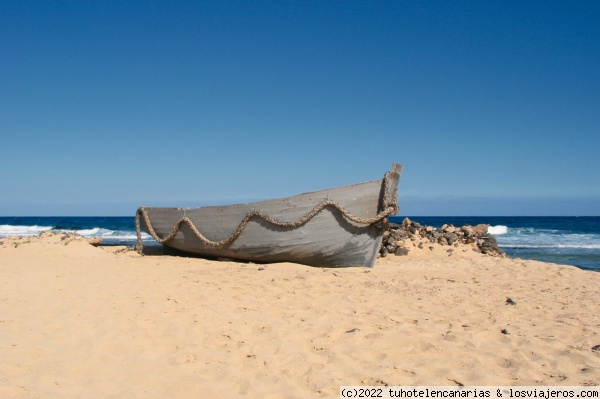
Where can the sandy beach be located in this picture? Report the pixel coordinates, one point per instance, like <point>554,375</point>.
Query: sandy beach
<point>105,322</point>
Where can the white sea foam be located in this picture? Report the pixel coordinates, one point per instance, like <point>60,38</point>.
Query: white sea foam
<point>95,232</point>
<point>10,230</point>
<point>553,246</point>
<point>548,239</point>
<point>497,230</point>
<point>122,236</point>
<point>108,236</point>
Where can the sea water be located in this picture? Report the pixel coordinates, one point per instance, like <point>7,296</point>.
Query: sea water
<point>565,240</point>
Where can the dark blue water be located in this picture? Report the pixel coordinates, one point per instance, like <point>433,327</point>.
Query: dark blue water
<point>565,240</point>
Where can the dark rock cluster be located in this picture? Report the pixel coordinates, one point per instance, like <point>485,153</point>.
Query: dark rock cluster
<point>398,239</point>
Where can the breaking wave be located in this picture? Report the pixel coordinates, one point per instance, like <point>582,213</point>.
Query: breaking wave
<point>111,237</point>
<point>10,230</point>
<point>497,230</point>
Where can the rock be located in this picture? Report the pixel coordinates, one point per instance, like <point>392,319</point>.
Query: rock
<point>450,238</point>
<point>401,251</point>
<point>467,230</point>
<point>46,234</point>
<point>480,229</point>
<point>95,241</point>
<point>449,229</point>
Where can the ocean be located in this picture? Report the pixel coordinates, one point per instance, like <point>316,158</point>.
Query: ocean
<point>564,240</point>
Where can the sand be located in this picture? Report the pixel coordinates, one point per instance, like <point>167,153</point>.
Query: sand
<point>98,322</point>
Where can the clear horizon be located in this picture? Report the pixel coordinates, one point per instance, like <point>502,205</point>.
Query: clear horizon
<point>411,207</point>
<point>492,108</point>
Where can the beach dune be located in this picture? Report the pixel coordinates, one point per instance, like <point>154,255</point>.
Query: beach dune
<point>78,320</point>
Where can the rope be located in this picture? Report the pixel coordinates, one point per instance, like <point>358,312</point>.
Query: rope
<point>389,208</point>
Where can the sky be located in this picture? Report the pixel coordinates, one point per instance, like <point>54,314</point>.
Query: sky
<point>492,107</point>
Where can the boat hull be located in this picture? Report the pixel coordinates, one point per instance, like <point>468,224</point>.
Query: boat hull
<point>329,239</point>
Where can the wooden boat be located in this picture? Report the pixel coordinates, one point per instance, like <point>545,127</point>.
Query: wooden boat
<point>336,227</point>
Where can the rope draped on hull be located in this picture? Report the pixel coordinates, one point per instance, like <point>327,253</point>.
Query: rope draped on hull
<point>389,208</point>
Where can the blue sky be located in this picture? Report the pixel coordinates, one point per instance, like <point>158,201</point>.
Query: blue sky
<point>493,107</point>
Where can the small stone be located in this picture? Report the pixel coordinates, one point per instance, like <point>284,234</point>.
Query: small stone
<point>596,348</point>
<point>505,331</point>
<point>450,237</point>
<point>95,241</point>
<point>467,230</point>
<point>401,251</point>
<point>46,233</point>
<point>480,229</point>
<point>510,302</point>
